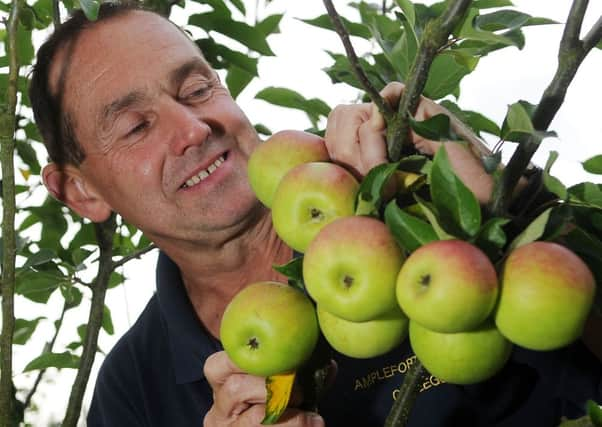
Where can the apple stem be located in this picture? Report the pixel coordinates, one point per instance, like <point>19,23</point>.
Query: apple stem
<point>400,411</point>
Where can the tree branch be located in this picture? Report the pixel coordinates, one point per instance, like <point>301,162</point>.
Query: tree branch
<point>436,34</point>
<point>399,414</point>
<point>571,53</point>
<point>593,37</point>
<point>137,254</point>
<point>380,102</point>
<point>9,250</point>
<point>56,14</point>
<point>104,235</point>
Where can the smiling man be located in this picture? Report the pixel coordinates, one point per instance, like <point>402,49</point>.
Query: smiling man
<point>136,122</point>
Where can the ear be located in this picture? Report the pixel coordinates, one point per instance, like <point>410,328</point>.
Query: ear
<point>66,184</point>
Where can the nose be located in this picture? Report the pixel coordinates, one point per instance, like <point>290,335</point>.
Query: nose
<point>187,128</point>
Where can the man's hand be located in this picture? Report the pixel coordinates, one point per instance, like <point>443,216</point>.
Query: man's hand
<point>239,399</point>
<point>355,138</point>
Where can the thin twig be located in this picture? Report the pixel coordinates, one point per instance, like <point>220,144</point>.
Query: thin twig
<point>48,348</point>
<point>399,414</point>
<point>571,53</point>
<point>9,247</point>
<point>104,235</point>
<point>56,14</point>
<point>371,91</point>
<point>133,255</point>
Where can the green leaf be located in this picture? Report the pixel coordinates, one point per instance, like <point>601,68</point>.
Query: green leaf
<point>37,285</point>
<point>353,28</point>
<point>243,33</point>
<point>221,56</point>
<point>403,53</point>
<point>595,412</point>
<point>593,165</point>
<point>408,10</point>
<point>492,162</point>
<point>458,208</point>
<point>24,329</point>
<point>491,238</point>
<point>447,71</point>
<point>42,256</point>
<point>487,4</point>
<point>369,198</point>
<point>116,279</point>
<point>533,232</point>
<point>90,8</point>
<point>517,123</point>
<point>270,24</point>
<point>73,296</point>
<point>435,128</point>
<point>409,231</point>
<point>501,20</point>
<point>28,155</point>
<point>469,31</point>
<point>237,80</point>
<point>53,360</point>
<point>293,270</point>
<point>588,193</point>
<point>262,129</point>
<point>314,107</point>
<point>239,4</point>
<point>432,215</point>
<point>341,71</point>
<point>476,121</point>
<point>552,183</point>
<point>107,321</point>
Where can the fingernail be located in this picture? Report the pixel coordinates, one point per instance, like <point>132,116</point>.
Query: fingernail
<point>315,420</point>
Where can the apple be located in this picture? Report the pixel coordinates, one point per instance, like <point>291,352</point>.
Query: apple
<point>447,286</point>
<point>281,152</point>
<point>546,294</point>
<point>351,266</point>
<point>363,340</point>
<point>310,196</point>
<point>269,328</point>
<point>462,357</point>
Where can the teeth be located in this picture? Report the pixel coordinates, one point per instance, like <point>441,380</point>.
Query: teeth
<point>204,173</point>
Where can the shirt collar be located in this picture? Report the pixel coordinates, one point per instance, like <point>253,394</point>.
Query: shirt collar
<point>189,341</point>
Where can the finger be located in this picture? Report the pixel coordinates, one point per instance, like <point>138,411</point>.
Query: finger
<point>341,136</point>
<point>218,367</point>
<point>373,148</point>
<point>238,393</point>
<point>290,418</point>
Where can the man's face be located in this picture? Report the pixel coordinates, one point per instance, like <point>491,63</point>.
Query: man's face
<point>166,146</point>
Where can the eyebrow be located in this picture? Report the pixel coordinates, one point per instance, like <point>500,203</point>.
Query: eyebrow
<point>120,104</point>
<point>194,65</point>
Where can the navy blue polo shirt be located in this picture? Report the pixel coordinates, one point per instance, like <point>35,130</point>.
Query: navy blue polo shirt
<point>154,377</point>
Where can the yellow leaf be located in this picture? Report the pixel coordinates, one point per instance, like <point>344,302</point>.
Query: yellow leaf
<point>25,173</point>
<point>278,388</point>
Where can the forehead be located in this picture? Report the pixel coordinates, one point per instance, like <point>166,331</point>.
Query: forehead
<point>126,52</point>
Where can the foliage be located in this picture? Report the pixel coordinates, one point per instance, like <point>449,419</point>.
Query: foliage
<point>58,252</point>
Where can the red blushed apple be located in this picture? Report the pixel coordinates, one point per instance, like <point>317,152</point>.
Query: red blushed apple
<point>447,286</point>
<point>546,294</point>
<point>310,196</point>
<point>350,268</point>
<point>281,152</point>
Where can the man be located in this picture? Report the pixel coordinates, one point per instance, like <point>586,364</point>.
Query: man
<point>136,122</point>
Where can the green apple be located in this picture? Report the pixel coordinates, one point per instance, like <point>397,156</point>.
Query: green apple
<point>281,152</point>
<point>350,268</point>
<point>546,294</point>
<point>310,196</point>
<point>269,328</point>
<point>363,340</point>
<point>447,286</point>
<point>461,357</point>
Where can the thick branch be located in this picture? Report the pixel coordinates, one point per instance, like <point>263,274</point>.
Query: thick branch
<point>9,250</point>
<point>104,235</point>
<point>399,414</point>
<point>571,53</point>
<point>435,35</point>
<point>380,102</point>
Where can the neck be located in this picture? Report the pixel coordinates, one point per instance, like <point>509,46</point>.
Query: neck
<point>213,274</point>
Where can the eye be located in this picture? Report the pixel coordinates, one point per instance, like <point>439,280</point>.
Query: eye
<point>138,128</point>
<point>196,91</point>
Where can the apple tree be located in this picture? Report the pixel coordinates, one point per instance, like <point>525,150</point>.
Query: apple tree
<point>49,254</point>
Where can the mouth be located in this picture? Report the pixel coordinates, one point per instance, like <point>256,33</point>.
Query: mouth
<point>205,173</point>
